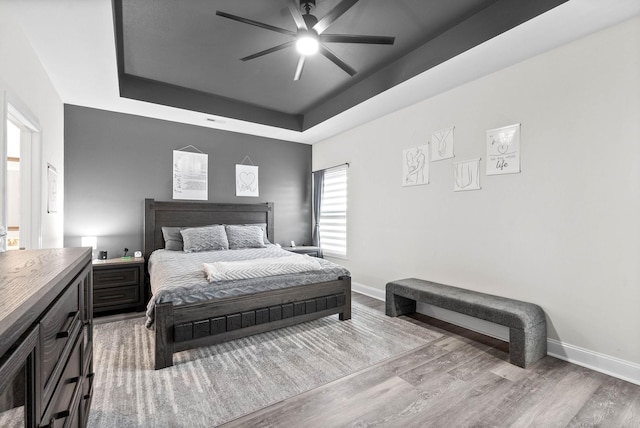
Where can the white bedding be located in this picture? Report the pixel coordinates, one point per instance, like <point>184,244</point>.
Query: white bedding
<point>261,268</point>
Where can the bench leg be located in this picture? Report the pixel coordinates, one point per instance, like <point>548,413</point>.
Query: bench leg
<point>527,347</point>
<point>397,305</point>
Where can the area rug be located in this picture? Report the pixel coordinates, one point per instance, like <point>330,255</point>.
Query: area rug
<point>216,384</point>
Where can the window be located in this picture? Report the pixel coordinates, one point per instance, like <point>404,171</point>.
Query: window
<point>333,212</point>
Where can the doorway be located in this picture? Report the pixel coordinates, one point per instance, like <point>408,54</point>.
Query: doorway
<point>22,189</point>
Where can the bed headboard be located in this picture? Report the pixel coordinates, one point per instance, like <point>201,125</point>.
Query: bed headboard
<point>182,214</point>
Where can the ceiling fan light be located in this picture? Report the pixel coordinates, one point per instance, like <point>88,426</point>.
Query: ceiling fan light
<point>307,45</point>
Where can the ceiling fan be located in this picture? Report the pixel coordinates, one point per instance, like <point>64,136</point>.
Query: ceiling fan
<point>309,37</point>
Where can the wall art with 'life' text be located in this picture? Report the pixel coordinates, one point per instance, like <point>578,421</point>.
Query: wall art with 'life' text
<point>503,150</point>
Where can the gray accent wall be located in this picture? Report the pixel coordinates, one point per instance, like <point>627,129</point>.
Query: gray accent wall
<point>113,161</point>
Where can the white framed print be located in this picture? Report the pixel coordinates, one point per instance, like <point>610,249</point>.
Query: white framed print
<point>442,144</point>
<point>466,175</point>
<point>190,175</point>
<point>52,189</point>
<point>247,180</point>
<point>415,166</point>
<point>503,150</point>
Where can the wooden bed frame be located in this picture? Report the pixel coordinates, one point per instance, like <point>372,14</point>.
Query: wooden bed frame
<point>181,327</point>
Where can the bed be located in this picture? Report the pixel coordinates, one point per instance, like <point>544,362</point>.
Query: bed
<point>182,321</point>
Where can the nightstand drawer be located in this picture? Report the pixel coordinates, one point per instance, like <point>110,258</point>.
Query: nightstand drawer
<point>113,277</point>
<point>116,296</point>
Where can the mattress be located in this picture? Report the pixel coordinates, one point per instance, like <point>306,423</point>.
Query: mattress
<point>180,278</point>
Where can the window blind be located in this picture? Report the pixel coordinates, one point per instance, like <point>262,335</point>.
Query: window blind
<point>333,212</point>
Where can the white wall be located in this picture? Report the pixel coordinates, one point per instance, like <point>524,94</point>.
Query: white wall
<point>564,233</point>
<point>24,82</point>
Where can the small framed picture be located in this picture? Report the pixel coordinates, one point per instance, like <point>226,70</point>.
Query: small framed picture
<point>442,144</point>
<point>466,175</point>
<point>415,166</point>
<point>503,150</point>
<point>247,180</point>
<point>52,189</point>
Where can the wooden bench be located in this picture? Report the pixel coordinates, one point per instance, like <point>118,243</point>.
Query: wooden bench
<point>526,321</point>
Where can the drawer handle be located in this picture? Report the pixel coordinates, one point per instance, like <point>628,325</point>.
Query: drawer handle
<point>66,332</point>
<point>114,278</point>
<point>59,415</point>
<point>72,380</point>
<point>112,297</point>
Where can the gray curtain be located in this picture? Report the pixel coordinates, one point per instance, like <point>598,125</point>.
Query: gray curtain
<point>318,186</point>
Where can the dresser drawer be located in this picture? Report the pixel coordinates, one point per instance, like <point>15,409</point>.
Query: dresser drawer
<point>116,296</point>
<point>56,330</point>
<point>62,407</point>
<point>115,277</point>
<point>85,401</point>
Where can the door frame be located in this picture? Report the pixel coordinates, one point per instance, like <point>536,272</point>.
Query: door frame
<point>31,171</point>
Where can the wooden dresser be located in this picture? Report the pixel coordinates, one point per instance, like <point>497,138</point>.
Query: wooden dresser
<point>46,334</point>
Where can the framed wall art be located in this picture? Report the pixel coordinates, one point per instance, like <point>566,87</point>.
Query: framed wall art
<point>190,175</point>
<point>247,180</point>
<point>415,166</point>
<point>503,150</point>
<point>52,189</point>
<point>466,175</point>
<point>442,144</point>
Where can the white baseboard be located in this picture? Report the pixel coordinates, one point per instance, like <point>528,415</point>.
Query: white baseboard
<point>376,293</point>
<point>622,369</point>
<point>612,366</point>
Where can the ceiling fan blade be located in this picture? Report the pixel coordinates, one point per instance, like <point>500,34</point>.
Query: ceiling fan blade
<point>299,68</point>
<point>337,61</point>
<point>355,38</point>
<point>297,16</point>
<point>333,14</point>
<point>255,23</point>
<point>268,51</point>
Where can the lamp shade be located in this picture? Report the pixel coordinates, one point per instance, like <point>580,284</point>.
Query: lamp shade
<point>89,241</point>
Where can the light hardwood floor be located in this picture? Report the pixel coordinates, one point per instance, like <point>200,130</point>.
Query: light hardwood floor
<point>461,380</point>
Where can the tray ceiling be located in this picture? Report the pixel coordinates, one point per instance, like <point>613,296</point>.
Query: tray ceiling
<point>181,54</point>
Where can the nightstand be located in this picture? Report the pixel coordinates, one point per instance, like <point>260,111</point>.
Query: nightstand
<point>118,284</point>
<point>312,251</point>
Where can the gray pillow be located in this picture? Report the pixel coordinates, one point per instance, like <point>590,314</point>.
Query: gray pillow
<point>207,238</point>
<point>262,226</point>
<point>240,236</point>
<point>172,238</point>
